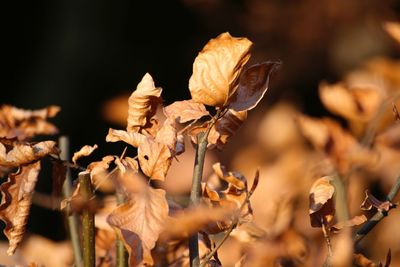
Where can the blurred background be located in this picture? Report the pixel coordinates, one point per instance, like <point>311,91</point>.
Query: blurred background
<point>81,55</point>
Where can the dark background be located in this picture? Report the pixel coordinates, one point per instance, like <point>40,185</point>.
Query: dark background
<point>79,54</point>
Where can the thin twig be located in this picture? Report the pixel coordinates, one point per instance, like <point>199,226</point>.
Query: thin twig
<point>327,239</point>
<point>379,215</point>
<point>122,254</point>
<point>72,219</point>
<point>87,222</point>
<point>195,193</point>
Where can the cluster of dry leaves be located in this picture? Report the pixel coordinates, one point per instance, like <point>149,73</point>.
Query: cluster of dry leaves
<point>303,163</point>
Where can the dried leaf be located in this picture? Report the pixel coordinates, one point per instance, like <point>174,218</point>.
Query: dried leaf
<point>139,222</point>
<point>99,174</point>
<point>234,178</point>
<point>26,153</point>
<point>321,202</point>
<point>143,104</point>
<point>355,103</point>
<point>356,220</point>
<point>185,111</point>
<point>16,201</point>
<point>21,123</point>
<point>363,261</point>
<point>167,135</point>
<point>253,84</point>
<point>127,164</point>
<point>393,28</point>
<point>132,138</point>
<point>371,201</point>
<point>154,158</point>
<point>189,221</point>
<point>83,152</point>
<point>217,68</point>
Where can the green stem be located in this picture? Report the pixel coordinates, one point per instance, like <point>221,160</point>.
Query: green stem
<point>195,194</point>
<point>72,219</point>
<point>87,221</point>
<point>379,215</point>
<point>122,255</point>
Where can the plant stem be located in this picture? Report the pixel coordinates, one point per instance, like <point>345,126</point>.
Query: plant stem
<point>379,215</point>
<point>72,219</point>
<point>195,194</point>
<point>121,258</point>
<point>87,221</point>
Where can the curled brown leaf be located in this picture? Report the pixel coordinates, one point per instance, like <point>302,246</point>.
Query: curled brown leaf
<point>372,202</point>
<point>321,209</point>
<point>83,152</point>
<point>185,111</point>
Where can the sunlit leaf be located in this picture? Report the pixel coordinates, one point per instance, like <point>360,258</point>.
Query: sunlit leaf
<point>139,222</point>
<point>143,103</point>
<point>132,138</point>
<point>321,209</point>
<point>185,111</point>
<point>83,152</point>
<point>217,68</point>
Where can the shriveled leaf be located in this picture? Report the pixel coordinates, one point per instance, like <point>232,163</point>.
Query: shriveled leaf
<point>371,201</point>
<point>354,103</point>
<point>16,201</point>
<point>321,209</point>
<point>234,178</point>
<point>83,152</point>
<point>99,173</point>
<point>356,220</point>
<point>21,123</point>
<point>253,84</point>
<point>139,222</point>
<point>127,164</point>
<point>143,103</point>
<point>217,68</point>
<point>154,158</point>
<point>187,222</point>
<point>132,138</point>
<point>167,135</point>
<point>26,153</point>
<point>393,28</point>
<point>185,111</point>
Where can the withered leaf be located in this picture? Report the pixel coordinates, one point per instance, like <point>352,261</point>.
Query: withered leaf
<point>132,138</point>
<point>26,153</point>
<point>167,135</point>
<point>185,111</point>
<point>321,209</point>
<point>21,123</point>
<point>187,222</point>
<point>16,201</point>
<point>143,103</point>
<point>234,178</point>
<point>393,28</point>
<point>217,68</point>
<point>356,220</point>
<point>83,152</point>
<point>371,201</point>
<point>154,159</point>
<point>139,222</point>
<point>355,103</point>
<point>253,84</point>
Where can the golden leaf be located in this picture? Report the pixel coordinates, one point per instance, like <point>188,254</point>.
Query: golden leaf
<point>99,174</point>
<point>321,202</point>
<point>21,123</point>
<point>83,152</point>
<point>154,158</point>
<point>16,201</point>
<point>132,138</point>
<point>393,28</point>
<point>253,84</point>
<point>217,68</point>
<point>26,153</point>
<point>354,103</point>
<point>167,135</point>
<point>185,111</point>
<point>139,223</point>
<point>143,104</point>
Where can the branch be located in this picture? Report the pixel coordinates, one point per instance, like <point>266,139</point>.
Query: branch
<point>87,221</point>
<point>73,223</point>
<point>379,215</point>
